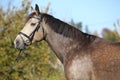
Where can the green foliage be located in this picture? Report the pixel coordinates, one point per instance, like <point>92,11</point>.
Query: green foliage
<point>37,62</point>
<point>112,35</point>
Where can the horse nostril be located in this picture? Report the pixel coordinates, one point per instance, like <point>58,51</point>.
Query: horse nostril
<point>17,43</point>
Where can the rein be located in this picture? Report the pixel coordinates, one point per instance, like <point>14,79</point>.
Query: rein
<point>15,62</point>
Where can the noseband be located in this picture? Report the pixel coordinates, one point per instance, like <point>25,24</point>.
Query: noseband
<point>30,37</point>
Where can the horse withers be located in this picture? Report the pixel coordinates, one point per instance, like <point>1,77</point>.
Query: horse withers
<point>84,56</point>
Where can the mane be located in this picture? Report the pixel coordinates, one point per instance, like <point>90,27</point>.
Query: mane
<point>64,29</point>
<point>61,27</point>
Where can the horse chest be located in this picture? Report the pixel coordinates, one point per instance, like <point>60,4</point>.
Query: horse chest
<point>80,69</point>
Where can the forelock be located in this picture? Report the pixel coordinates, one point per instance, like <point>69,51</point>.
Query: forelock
<point>30,16</point>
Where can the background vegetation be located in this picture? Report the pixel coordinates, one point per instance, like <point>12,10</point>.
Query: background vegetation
<point>38,61</point>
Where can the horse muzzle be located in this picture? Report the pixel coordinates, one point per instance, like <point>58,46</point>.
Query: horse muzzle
<point>19,43</point>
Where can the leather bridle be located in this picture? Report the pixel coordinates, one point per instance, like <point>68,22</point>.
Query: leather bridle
<point>30,37</point>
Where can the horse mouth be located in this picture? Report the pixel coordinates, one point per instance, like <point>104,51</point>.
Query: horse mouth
<point>19,47</point>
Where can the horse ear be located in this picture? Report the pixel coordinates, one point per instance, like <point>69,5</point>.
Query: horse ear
<point>37,9</point>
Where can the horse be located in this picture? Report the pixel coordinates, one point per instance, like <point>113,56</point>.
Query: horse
<point>84,56</point>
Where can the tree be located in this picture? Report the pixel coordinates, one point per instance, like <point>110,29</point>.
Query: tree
<point>38,59</point>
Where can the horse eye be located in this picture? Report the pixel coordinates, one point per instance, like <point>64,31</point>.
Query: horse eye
<point>33,24</point>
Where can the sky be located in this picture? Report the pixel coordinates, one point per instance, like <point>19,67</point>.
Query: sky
<point>96,14</point>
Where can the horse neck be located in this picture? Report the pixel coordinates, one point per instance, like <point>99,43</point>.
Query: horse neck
<point>64,41</point>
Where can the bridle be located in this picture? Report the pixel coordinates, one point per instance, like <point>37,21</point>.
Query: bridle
<point>30,37</point>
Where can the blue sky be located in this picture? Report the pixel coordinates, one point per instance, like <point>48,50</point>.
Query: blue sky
<point>96,14</point>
